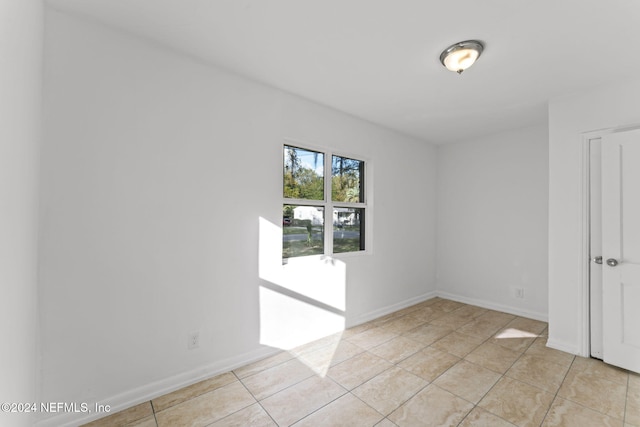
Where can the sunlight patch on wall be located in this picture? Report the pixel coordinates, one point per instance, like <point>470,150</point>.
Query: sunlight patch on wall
<point>300,302</point>
<point>269,251</point>
<point>289,324</point>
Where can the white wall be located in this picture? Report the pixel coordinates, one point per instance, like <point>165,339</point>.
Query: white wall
<point>612,106</point>
<point>20,113</point>
<point>492,221</point>
<point>156,171</point>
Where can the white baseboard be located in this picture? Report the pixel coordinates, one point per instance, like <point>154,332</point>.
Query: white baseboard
<point>544,317</point>
<point>156,389</point>
<point>363,318</point>
<point>557,345</point>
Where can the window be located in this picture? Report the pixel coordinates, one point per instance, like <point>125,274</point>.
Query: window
<point>322,216</point>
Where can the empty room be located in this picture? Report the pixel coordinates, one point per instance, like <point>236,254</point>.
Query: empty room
<point>319,213</point>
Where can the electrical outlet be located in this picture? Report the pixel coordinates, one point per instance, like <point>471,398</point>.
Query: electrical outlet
<point>193,340</point>
<point>519,293</point>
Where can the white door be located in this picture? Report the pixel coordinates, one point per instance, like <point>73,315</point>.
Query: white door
<point>621,249</point>
<point>595,247</point>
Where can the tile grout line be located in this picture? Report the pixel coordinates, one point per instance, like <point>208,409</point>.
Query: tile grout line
<point>460,359</point>
<point>441,314</point>
<point>606,379</point>
<point>475,405</point>
<point>502,375</point>
<point>393,365</point>
<point>555,396</point>
<point>405,401</point>
<point>523,382</point>
<point>304,379</point>
<point>292,385</point>
<point>357,397</point>
<point>323,406</point>
<point>626,399</point>
<point>153,409</point>
<point>346,391</point>
<point>372,354</point>
<point>255,398</point>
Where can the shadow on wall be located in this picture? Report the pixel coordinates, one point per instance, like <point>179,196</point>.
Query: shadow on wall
<point>300,302</point>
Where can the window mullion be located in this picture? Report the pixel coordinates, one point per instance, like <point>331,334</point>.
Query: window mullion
<point>302,202</point>
<point>348,205</point>
<point>328,206</point>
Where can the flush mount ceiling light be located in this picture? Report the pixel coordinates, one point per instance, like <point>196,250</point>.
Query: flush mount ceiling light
<point>460,56</point>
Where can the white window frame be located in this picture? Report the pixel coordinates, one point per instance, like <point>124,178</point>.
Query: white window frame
<point>328,204</point>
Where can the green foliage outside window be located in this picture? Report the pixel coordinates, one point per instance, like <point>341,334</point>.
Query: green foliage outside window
<point>301,181</point>
<point>345,179</point>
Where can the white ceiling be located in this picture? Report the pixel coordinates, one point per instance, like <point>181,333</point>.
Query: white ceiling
<point>379,59</point>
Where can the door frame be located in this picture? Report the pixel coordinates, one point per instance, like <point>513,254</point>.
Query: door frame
<point>585,221</point>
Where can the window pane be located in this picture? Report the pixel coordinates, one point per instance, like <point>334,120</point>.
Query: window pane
<point>303,174</point>
<point>302,230</point>
<point>346,180</point>
<point>348,230</point>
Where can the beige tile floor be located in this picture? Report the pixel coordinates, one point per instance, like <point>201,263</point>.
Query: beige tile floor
<point>438,363</point>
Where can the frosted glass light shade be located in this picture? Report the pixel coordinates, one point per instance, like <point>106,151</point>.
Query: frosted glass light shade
<point>460,56</point>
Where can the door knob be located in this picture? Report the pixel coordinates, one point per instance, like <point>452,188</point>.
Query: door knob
<point>612,262</point>
<point>597,260</point>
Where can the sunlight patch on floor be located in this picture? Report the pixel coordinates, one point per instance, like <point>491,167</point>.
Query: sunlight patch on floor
<point>515,333</point>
